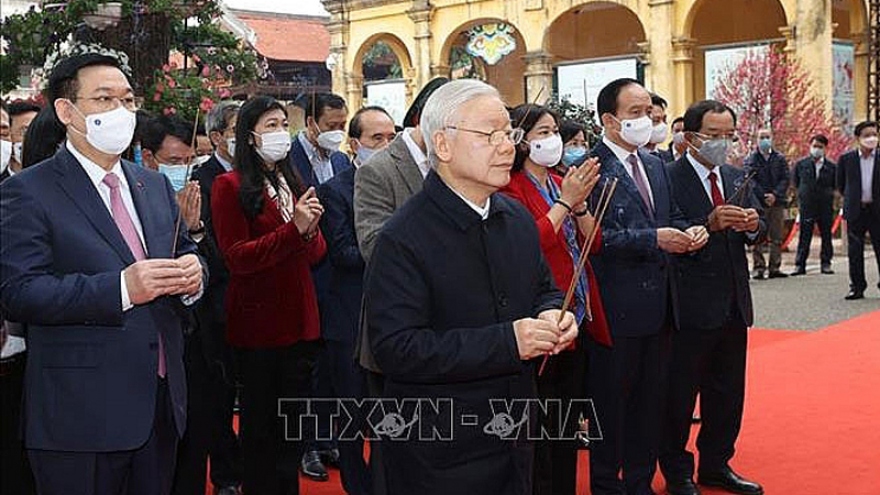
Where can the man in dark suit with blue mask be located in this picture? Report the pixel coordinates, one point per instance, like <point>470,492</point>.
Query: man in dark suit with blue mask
<point>715,307</point>
<point>370,130</point>
<point>315,155</point>
<point>90,262</point>
<point>641,227</point>
<point>814,180</point>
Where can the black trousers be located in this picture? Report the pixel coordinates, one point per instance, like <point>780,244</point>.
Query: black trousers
<point>147,470</point>
<point>375,388</point>
<point>349,382</point>
<point>271,461</point>
<point>626,383</point>
<point>713,364</point>
<point>15,470</point>
<point>868,222</point>
<point>209,433</point>
<point>564,378</point>
<point>824,221</point>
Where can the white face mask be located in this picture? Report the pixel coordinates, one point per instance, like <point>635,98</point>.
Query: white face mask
<point>363,153</point>
<point>869,142</point>
<point>5,154</point>
<point>636,132</point>
<point>678,138</point>
<point>546,152</point>
<point>109,132</point>
<point>230,147</point>
<point>16,152</point>
<point>201,160</point>
<point>659,133</point>
<point>331,140</point>
<point>275,145</point>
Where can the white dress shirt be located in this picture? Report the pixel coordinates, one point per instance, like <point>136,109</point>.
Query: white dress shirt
<point>703,174</point>
<point>416,152</point>
<point>321,165</point>
<point>226,165</point>
<point>622,155</point>
<point>867,165</point>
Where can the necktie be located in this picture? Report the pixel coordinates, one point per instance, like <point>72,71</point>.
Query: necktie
<point>129,233</point>
<point>717,198</point>
<point>641,185</point>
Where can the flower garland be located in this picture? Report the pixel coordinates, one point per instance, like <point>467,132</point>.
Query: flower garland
<point>72,50</point>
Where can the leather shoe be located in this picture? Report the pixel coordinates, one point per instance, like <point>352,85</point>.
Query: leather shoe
<point>312,466</point>
<point>682,487</point>
<point>226,490</point>
<point>758,276</point>
<point>827,270</point>
<point>728,480</point>
<point>777,275</point>
<point>799,271</point>
<point>855,294</point>
<point>330,457</point>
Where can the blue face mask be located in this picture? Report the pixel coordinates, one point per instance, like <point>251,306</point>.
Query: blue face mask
<point>176,174</point>
<point>765,144</point>
<point>573,155</point>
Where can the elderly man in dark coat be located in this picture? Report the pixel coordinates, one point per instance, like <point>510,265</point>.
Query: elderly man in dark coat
<point>459,301</point>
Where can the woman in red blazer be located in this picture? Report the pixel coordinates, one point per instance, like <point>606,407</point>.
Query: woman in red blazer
<point>559,208</point>
<point>267,230</point>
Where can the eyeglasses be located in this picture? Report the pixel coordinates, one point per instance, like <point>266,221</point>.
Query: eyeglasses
<point>514,136</point>
<point>106,103</point>
<point>733,136</point>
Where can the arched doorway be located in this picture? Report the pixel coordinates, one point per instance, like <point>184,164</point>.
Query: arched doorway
<point>585,58</point>
<point>746,23</point>
<point>491,50</point>
<point>384,70</point>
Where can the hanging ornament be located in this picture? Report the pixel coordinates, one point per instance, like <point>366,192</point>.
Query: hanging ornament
<point>491,42</point>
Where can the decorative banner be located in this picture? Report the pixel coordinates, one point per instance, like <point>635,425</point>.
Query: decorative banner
<point>843,101</point>
<point>491,42</point>
<point>581,83</point>
<point>389,94</point>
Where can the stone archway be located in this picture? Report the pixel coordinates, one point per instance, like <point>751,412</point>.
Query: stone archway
<point>502,59</point>
<point>584,58</point>
<point>356,79</point>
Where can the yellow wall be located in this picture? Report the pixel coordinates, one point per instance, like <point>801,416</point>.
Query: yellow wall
<point>669,35</point>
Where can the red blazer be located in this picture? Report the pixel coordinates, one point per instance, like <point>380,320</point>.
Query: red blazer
<point>555,249</point>
<point>271,299</point>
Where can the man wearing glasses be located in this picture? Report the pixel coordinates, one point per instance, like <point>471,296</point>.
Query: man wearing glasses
<point>458,302</point>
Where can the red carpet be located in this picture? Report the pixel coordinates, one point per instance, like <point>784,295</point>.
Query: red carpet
<point>812,419</point>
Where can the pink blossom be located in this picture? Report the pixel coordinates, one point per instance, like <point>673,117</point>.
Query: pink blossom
<point>157,96</point>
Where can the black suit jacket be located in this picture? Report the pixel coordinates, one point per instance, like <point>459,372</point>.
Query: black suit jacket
<point>443,289</point>
<point>347,265</point>
<point>715,279</point>
<point>90,384</point>
<point>772,176</point>
<point>849,182</point>
<point>635,276</point>
<point>815,194</point>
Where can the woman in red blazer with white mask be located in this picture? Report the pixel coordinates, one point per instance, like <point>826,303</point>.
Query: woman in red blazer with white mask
<point>563,220</point>
<point>266,226</point>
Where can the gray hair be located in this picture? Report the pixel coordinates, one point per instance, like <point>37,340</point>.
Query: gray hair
<point>219,116</point>
<point>442,108</point>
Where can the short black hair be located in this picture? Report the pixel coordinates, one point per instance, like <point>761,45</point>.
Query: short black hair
<point>414,113</point>
<point>861,126</point>
<point>42,138</point>
<point>19,107</point>
<point>820,138</point>
<point>658,101</point>
<point>313,104</point>
<point>607,100</point>
<point>63,82</point>
<point>568,129</point>
<point>354,126</point>
<point>158,128</point>
<point>693,118</point>
<point>676,120</point>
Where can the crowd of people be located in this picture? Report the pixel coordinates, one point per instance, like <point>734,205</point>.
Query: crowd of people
<point>156,277</point>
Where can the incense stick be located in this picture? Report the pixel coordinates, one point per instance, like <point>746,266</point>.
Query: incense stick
<point>739,194</point>
<point>605,196</point>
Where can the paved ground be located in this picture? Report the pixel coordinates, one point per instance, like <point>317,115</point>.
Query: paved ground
<point>812,301</point>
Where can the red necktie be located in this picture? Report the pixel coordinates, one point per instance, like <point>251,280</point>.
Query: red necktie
<point>717,198</point>
<point>129,233</point>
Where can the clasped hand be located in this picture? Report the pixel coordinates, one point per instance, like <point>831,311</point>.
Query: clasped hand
<point>542,335</point>
<point>733,217</point>
<point>149,279</point>
<point>675,241</point>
